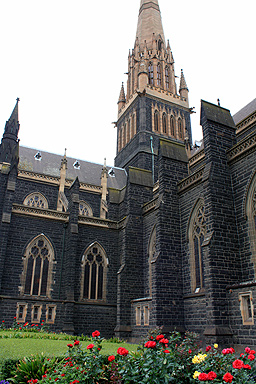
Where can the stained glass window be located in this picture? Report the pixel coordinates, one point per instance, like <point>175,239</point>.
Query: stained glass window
<point>36,200</point>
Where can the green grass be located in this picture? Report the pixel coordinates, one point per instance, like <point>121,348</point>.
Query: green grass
<point>19,348</point>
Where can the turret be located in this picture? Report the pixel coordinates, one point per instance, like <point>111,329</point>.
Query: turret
<point>183,86</point>
<point>9,146</point>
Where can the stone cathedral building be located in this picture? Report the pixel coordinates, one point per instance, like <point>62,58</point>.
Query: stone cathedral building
<point>166,237</point>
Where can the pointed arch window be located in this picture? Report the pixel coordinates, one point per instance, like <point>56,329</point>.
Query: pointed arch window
<point>94,273</point>
<point>125,135</point>
<point>150,74</point>
<point>159,75</point>
<point>250,209</point>
<point>197,230</point>
<point>156,121</point>
<point>172,125</point>
<point>37,267</point>
<point>180,128</point>
<point>133,126</point>
<point>167,78</point>
<point>164,123</point>
<point>151,257</point>
<point>36,200</point>
<point>85,209</point>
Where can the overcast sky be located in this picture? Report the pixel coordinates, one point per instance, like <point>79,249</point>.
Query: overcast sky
<point>66,59</point>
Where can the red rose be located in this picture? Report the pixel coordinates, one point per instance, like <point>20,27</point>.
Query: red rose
<point>164,341</point>
<point>150,344</point>
<point>166,351</point>
<point>159,337</point>
<point>228,377</point>
<point>247,366</point>
<point>189,351</point>
<point>111,358</point>
<point>77,342</point>
<point>247,349</point>
<point>252,352</point>
<point>122,351</point>
<point>251,357</point>
<point>70,345</point>
<point>203,376</point>
<point>90,346</point>
<point>95,333</point>
<point>238,364</point>
<point>211,375</point>
<point>208,348</point>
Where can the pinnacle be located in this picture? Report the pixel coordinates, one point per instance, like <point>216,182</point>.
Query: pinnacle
<point>183,84</point>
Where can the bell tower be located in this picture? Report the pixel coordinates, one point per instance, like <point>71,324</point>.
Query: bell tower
<point>152,108</point>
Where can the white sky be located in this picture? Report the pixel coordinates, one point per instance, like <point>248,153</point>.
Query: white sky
<point>66,59</point>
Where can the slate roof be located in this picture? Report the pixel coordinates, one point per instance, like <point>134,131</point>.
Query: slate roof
<point>49,164</point>
<point>245,112</point>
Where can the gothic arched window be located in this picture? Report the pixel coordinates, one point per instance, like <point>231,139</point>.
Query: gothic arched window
<point>150,74</point>
<point>159,75</point>
<point>151,257</point>
<point>197,230</point>
<point>37,267</point>
<point>180,128</point>
<point>164,123</point>
<point>94,273</point>
<point>156,121</point>
<point>172,125</point>
<point>250,209</point>
<point>36,200</point>
<point>167,78</point>
<point>85,209</point>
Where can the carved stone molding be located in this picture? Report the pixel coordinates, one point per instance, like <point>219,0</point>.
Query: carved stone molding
<point>191,180</point>
<point>56,181</point>
<point>98,222</point>
<point>245,147</point>
<point>40,212</point>
<point>149,206</point>
<point>196,158</point>
<point>246,123</point>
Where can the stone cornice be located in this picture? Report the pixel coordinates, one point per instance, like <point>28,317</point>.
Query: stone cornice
<point>54,180</point>
<point>246,146</point>
<point>149,206</point>
<point>191,180</point>
<point>197,157</point>
<point>97,222</point>
<point>246,123</point>
<point>40,212</point>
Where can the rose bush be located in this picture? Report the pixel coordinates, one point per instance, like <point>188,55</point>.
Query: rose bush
<point>159,360</point>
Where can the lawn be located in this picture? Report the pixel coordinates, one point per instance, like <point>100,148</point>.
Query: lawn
<point>18,348</point>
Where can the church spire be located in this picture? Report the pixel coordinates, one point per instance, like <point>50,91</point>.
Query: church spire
<point>12,125</point>
<point>149,23</point>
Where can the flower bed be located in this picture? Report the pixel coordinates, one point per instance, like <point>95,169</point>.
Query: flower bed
<point>159,360</point>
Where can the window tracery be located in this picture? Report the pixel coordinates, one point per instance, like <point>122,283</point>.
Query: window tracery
<point>36,200</point>
<point>94,273</point>
<point>167,78</point>
<point>85,209</point>
<point>152,256</point>
<point>156,121</point>
<point>37,267</point>
<point>172,124</point>
<point>250,208</point>
<point>159,75</point>
<point>164,123</point>
<point>150,74</point>
<point>197,230</point>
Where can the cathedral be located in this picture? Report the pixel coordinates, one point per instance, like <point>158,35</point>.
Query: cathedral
<point>165,237</point>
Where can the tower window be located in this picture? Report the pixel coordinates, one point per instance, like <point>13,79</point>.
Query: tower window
<point>150,74</point>
<point>172,124</point>
<point>21,312</point>
<point>164,123</point>
<point>246,307</point>
<point>180,128</point>
<point>156,121</point>
<point>167,78</point>
<point>159,77</point>
<point>94,271</point>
